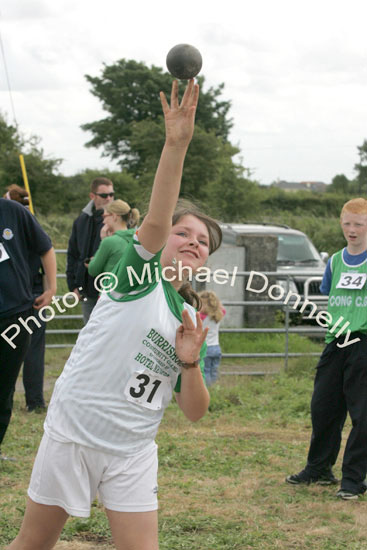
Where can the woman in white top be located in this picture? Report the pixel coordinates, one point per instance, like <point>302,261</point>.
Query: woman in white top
<point>143,341</point>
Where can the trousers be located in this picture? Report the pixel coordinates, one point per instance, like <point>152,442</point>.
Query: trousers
<point>34,366</point>
<point>10,363</point>
<point>340,387</point>
<point>88,304</point>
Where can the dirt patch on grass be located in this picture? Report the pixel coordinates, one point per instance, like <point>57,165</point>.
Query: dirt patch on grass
<point>217,429</point>
<point>63,545</point>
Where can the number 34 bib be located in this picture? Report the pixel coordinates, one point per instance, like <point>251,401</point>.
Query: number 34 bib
<point>148,390</point>
<point>352,281</point>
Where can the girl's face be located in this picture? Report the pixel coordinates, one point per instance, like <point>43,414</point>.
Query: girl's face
<point>188,243</point>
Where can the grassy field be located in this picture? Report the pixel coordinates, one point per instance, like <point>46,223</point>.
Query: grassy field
<point>221,481</point>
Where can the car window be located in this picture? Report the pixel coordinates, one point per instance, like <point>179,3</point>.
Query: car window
<point>296,248</point>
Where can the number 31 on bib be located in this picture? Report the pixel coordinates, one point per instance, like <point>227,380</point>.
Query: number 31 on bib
<point>148,390</point>
<point>352,281</point>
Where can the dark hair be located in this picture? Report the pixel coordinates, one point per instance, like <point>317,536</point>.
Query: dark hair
<point>187,208</point>
<point>18,194</point>
<point>97,182</point>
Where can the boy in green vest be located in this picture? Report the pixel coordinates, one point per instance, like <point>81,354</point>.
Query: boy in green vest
<point>341,377</point>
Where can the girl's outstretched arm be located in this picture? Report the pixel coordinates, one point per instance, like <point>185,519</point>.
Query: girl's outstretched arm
<point>179,123</point>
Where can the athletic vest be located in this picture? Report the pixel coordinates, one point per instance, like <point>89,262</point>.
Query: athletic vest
<point>123,369</point>
<point>347,297</point>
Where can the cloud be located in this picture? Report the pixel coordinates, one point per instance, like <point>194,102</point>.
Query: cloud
<point>334,59</point>
<point>295,74</point>
<point>29,9</point>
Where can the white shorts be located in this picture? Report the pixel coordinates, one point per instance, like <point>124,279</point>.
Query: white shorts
<point>70,476</point>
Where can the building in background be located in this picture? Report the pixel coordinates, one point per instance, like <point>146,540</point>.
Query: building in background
<point>315,186</point>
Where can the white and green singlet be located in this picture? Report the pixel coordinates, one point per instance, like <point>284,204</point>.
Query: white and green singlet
<point>347,296</point>
<point>123,369</point>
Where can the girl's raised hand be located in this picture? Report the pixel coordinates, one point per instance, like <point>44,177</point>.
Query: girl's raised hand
<point>180,117</point>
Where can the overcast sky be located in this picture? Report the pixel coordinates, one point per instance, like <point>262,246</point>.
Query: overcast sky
<point>295,72</point>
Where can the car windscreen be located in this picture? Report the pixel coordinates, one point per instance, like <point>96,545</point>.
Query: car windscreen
<point>296,248</point>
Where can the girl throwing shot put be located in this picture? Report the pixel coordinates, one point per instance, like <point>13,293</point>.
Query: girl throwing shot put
<point>143,341</point>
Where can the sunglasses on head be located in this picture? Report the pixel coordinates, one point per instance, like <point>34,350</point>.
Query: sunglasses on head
<point>105,195</point>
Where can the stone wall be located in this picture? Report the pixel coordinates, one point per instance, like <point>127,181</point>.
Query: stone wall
<point>250,253</point>
<point>261,255</point>
<point>228,257</point>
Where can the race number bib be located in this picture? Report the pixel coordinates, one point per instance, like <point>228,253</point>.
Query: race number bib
<point>352,281</point>
<point>147,390</point>
<point>3,253</point>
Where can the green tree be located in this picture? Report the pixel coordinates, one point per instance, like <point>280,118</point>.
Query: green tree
<point>361,168</point>
<point>128,91</point>
<point>133,133</point>
<point>77,188</point>
<point>339,184</point>
<point>44,181</point>
<point>10,140</point>
<point>210,175</point>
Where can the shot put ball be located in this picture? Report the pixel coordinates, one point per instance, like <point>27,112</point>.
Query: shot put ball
<point>184,61</point>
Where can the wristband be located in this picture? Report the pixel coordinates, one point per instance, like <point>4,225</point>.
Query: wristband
<point>191,365</point>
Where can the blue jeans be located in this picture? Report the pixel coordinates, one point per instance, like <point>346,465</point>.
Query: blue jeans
<point>212,361</point>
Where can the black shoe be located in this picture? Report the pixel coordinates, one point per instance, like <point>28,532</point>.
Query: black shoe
<point>349,495</point>
<point>346,494</point>
<point>304,478</point>
<point>38,409</point>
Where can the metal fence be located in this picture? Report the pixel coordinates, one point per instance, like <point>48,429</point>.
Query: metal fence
<point>305,329</point>
<point>287,329</point>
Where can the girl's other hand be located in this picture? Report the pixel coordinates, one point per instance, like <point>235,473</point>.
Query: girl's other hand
<point>190,338</point>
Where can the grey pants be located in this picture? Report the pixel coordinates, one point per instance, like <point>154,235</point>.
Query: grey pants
<point>87,307</point>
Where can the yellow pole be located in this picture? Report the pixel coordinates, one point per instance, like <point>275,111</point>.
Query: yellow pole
<point>26,184</point>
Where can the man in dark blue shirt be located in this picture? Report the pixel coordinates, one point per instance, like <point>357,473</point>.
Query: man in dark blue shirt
<point>21,237</point>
